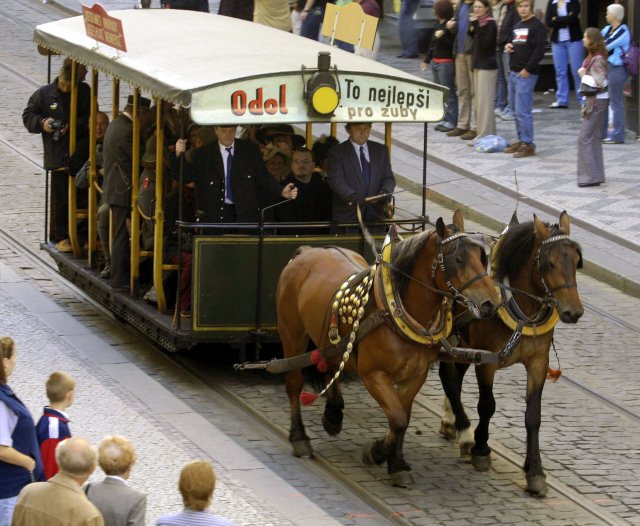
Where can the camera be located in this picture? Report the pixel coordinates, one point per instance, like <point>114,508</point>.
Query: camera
<point>57,126</point>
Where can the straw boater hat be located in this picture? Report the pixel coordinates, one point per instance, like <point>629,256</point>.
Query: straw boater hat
<point>268,132</point>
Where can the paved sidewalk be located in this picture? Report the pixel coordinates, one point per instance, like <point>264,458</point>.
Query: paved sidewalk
<point>115,396</point>
<point>606,218</point>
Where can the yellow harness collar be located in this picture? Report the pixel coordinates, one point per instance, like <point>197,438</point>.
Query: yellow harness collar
<point>407,326</point>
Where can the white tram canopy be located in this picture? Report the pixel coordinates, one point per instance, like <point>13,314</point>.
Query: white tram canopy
<point>229,71</point>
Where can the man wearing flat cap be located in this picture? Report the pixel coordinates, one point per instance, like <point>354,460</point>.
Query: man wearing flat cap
<point>118,159</point>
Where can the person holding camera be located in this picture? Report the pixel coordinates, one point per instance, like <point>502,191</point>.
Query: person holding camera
<point>48,113</point>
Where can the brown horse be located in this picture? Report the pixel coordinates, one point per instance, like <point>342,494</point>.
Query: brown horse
<point>535,265</point>
<point>427,271</point>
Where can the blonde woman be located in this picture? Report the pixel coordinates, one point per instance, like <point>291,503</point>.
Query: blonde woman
<point>197,483</point>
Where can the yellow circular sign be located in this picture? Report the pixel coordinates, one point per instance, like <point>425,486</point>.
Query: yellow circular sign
<point>324,100</point>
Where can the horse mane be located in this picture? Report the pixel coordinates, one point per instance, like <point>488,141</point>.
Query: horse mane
<point>515,248</point>
<point>404,255</point>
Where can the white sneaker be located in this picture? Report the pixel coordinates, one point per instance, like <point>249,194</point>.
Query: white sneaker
<point>506,116</point>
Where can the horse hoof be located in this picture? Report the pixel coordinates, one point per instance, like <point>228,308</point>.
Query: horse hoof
<point>367,453</point>
<point>302,448</point>
<point>330,427</point>
<point>481,462</point>
<point>537,485</point>
<point>465,442</point>
<point>402,479</point>
<point>447,430</point>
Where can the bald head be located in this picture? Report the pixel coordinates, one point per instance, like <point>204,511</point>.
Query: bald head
<point>76,457</point>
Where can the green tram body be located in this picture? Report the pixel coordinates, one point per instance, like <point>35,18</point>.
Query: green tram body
<point>234,276</point>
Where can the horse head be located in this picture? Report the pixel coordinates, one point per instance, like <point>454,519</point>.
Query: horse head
<point>557,258</point>
<point>463,268</point>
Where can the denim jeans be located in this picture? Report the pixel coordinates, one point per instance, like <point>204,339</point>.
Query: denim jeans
<point>502,86</point>
<point>406,28</point>
<point>521,92</point>
<point>505,59</point>
<point>313,22</point>
<point>6,510</point>
<point>617,77</point>
<point>567,54</point>
<point>445,74</point>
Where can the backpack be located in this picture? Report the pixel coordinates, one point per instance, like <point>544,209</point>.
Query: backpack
<point>631,59</point>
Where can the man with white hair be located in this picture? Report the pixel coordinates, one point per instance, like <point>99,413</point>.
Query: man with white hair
<point>61,501</point>
<point>119,504</point>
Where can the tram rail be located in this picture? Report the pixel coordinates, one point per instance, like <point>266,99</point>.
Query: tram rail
<point>219,381</point>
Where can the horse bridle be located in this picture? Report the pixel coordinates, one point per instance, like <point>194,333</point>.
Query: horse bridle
<point>446,263</point>
<point>541,261</point>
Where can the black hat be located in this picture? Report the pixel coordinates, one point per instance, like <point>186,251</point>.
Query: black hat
<point>142,102</point>
<point>268,132</point>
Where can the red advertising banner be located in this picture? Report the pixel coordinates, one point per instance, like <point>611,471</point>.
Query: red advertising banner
<point>102,27</point>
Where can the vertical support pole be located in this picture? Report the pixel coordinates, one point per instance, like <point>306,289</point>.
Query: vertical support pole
<point>334,130</point>
<point>309,135</point>
<point>71,192</point>
<point>115,98</point>
<point>158,229</point>
<point>92,205</point>
<point>133,211</point>
<point>424,173</point>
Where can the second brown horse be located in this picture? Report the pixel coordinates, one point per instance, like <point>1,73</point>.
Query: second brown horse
<point>429,272</point>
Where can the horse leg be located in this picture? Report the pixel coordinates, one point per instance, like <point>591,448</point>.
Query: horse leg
<point>481,452</point>
<point>397,406</point>
<point>294,341</point>
<point>297,435</point>
<point>332,417</point>
<point>456,424</point>
<point>536,376</point>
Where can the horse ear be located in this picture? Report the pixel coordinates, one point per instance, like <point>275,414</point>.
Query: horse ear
<point>441,228</point>
<point>514,219</point>
<point>540,228</point>
<point>458,220</point>
<point>564,222</point>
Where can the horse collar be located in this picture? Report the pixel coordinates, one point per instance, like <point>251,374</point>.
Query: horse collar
<point>389,298</point>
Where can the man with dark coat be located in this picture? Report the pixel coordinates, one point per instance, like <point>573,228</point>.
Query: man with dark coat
<point>48,113</point>
<point>231,178</point>
<point>359,168</point>
<point>117,158</point>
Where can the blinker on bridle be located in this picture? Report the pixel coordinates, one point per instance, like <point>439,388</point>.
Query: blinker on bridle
<point>447,263</point>
<point>541,264</point>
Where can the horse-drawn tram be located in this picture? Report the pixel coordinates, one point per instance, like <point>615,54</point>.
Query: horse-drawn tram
<point>273,78</point>
<point>384,311</point>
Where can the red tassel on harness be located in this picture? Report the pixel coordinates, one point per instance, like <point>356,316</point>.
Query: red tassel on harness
<point>554,374</point>
<point>315,356</point>
<point>307,398</point>
<point>322,366</point>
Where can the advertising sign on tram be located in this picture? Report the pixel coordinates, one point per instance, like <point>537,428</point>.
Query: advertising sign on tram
<point>280,98</point>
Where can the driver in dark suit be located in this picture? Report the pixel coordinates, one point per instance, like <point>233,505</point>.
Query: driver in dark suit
<point>359,168</point>
<point>231,179</point>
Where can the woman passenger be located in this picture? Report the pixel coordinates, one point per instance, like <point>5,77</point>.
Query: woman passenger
<point>442,57</point>
<point>594,88</point>
<point>617,40</point>
<point>20,462</point>
<point>484,31</point>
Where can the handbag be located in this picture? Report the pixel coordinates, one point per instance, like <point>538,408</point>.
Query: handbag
<point>631,59</point>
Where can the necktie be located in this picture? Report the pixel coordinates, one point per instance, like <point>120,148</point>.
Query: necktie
<point>366,167</point>
<point>227,177</point>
